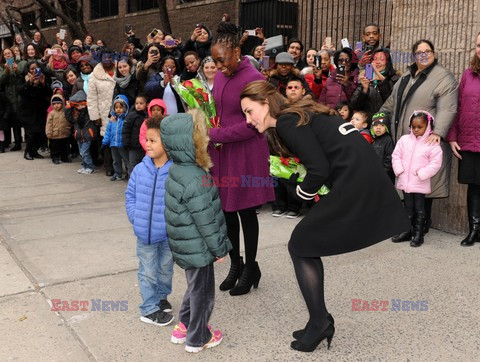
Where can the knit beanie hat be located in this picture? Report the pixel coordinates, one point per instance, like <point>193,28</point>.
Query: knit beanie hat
<point>380,118</point>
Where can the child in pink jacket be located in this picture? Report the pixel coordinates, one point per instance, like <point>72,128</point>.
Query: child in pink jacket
<point>415,162</point>
<point>156,107</point>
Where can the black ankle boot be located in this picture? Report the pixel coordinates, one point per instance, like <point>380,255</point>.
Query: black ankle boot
<point>233,275</point>
<point>418,225</point>
<point>35,154</point>
<point>17,147</point>
<point>405,236</point>
<point>474,233</point>
<point>250,277</point>
<point>299,334</point>
<point>326,334</point>
<point>27,156</point>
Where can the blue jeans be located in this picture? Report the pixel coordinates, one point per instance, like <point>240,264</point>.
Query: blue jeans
<point>155,273</point>
<point>84,149</point>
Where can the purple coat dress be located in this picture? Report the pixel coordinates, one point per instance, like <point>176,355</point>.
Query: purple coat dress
<point>242,162</point>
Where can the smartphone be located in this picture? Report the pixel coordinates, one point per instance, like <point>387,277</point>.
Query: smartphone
<point>369,48</point>
<point>199,26</point>
<point>328,41</point>
<point>345,43</point>
<point>154,32</point>
<point>368,71</point>
<point>154,52</point>
<point>318,61</point>
<point>251,32</point>
<point>128,28</point>
<point>359,46</point>
<point>62,32</point>
<point>9,62</point>
<point>341,70</point>
<point>266,62</point>
<point>51,52</point>
<point>170,43</point>
<point>38,72</point>
<point>169,71</point>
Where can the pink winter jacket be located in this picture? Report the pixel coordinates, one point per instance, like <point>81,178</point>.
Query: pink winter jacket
<point>142,137</point>
<point>415,162</point>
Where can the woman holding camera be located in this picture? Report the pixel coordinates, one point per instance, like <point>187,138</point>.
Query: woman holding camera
<point>372,93</point>
<point>149,65</point>
<point>32,109</point>
<point>342,81</point>
<point>321,69</point>
<point>200,41</point>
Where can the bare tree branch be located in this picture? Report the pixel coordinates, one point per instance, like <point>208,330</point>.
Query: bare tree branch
<point>164,19</point>
<point>75,30</point>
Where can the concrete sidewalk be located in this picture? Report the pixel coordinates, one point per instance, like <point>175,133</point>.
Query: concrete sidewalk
<point>66,236</point>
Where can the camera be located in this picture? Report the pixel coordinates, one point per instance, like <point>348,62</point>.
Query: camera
<point>38,72</point>
<point>369,48</point>
<point>154,32</point>
<point>154,52</point>
<point>318,61</point>
<point>128,28</point>
<point>341,70</point>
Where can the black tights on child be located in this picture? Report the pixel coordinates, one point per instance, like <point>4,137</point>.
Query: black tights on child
<point>415,204</point>
<point>250,234</point>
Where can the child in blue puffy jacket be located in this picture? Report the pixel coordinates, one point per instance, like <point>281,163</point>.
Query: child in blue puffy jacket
<point>145,204</point>
<point>113,135</point>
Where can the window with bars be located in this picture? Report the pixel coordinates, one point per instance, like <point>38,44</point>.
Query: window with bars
<point>71,10</point>
<point>103,8</point>
<point>47,19</point>
<point>29,20</point>
<point>139,5</point>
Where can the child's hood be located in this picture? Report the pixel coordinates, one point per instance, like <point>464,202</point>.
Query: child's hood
<point>157,102</point>
<point>430,125</point>
<point>185,139</point>
<point>56,98</point>
<point>122,99</point>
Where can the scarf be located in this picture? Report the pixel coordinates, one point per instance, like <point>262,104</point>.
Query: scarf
<point>123,82</point>
<point>86,78</point>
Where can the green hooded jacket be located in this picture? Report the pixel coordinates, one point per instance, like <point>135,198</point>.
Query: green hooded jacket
<point>196,226</point>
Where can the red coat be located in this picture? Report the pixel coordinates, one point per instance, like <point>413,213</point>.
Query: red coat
<point>315,87</point>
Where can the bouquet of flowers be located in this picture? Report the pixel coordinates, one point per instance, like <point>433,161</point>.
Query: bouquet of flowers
<point>195,94</point>
<point>282,167</point>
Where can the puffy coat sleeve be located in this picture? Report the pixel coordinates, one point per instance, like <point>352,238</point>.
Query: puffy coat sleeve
<point>447,99</point>
<point>108,134</point>
<point>359,98</point>
<point>92,100</point>
<point>453,132</point>
<point>387,155</point>
<point>236,133</point>
<point>397,156</point>
<point>435,156</point>
<point>199,202</point>
<point>49,126</point>
<point>130,196</point>
<point>127,130</point>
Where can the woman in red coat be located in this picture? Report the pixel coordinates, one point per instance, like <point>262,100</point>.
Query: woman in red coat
<point>464,138</point>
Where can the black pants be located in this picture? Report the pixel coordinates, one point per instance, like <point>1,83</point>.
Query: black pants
<point>59,149</point>
<point>34,140</point>
<point>197,305</point>
<point>284,200</point>
<point>250,234</point>
<point>310,278</point>
<point>135,156</point>
<point>414,203</point>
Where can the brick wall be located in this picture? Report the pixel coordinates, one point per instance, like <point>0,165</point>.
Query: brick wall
<point>452,26</point>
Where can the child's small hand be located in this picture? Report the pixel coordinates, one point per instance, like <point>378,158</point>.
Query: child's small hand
<point>219,260</point>
<point>113,118</point>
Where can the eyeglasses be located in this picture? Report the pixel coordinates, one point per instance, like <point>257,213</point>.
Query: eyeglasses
<point>296,87</point>
<point>426,52</point>
<point>344,60</point>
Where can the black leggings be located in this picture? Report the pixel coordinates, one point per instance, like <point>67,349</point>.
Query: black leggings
<point>310,278</point>
<point>414,203</point>
<point>250,234</point>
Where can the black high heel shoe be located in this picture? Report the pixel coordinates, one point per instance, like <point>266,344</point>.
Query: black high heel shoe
<point>250,277</point>
<point>299,334</point>
<point>233,275</point>
<point>303,347</point>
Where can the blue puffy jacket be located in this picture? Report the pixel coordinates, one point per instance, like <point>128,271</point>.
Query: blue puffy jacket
<point>113,133</point>
<point>145,201</point>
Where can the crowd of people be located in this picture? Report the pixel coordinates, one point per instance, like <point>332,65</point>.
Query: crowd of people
<point>336,111</point>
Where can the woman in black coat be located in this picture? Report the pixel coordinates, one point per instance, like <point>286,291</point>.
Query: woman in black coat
<point>126,80</point>
<point>336,155</point>
<point>32,110</point>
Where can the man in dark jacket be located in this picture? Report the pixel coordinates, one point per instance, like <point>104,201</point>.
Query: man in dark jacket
<point>283,70</point>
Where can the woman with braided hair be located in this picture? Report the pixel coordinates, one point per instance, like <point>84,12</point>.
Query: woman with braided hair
<point>241,158</point>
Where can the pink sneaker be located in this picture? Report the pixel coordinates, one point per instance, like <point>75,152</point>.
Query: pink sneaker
<point>216,339</point>
<point>179,334</point>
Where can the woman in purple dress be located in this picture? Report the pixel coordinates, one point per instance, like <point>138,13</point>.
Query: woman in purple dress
<point>241,162</point>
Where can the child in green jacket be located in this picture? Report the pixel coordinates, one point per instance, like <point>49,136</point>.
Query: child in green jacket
<point>196,227</point>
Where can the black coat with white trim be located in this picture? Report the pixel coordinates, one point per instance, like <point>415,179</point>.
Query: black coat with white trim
<point>334,153</point>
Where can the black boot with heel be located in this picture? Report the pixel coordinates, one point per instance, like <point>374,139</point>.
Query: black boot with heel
<point>299,334</point>
<point>473,207</point>
<point>235,272</point>
<point>418,230</point>
<point>310,347</point>
<point>406,235</point>
<point>250,277</point>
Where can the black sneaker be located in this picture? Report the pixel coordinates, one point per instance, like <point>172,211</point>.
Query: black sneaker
<point>165,306</point>
<point>160,318</point>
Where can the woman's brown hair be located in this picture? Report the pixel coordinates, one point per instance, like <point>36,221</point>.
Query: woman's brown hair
<point>475,62</point>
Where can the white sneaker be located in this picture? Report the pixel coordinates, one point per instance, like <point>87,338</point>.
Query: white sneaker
<point>88,171</point>
<point>216,339</point>
<point>81,170</point>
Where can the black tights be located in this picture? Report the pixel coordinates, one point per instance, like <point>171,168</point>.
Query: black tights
<point>414,204</point>
<point>250,234</point>
<point>309,272</point>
